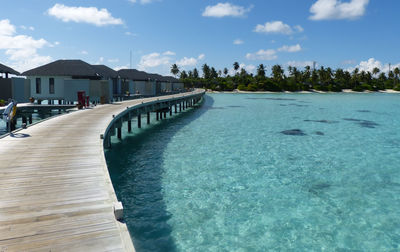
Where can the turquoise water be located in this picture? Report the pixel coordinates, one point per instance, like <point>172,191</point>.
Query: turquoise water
<point>224,177</point>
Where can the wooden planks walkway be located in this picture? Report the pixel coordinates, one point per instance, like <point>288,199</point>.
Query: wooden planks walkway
<point>56,193</point>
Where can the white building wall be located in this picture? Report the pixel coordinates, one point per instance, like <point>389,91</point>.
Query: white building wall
<point>163,86</point>
<point>178,86</point>
<point>72,87</point>
<point>45,83</point>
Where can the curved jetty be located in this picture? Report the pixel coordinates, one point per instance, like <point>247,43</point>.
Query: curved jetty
<point>56,193</point>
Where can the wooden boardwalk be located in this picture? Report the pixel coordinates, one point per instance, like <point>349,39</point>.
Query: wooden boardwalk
<point>56,193</point>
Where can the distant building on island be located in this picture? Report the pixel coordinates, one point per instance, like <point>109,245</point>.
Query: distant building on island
<point>139,82</point>
<point>61,80</point>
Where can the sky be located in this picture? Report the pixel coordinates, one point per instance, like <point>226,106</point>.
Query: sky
<point>151,35</point>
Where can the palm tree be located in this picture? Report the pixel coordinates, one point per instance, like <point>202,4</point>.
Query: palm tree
<point>195,73</point>
<point>236,66</point>
<point>226,71</point>
<point>174,69</point>
<point>396,72</point>
<point>277,73</point>
<point>375,71</point>
<point>213,73</point>
<point>206,71</point>
<point>183,75</point>
<point>261,71</point>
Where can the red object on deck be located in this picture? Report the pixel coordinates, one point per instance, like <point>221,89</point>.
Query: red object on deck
<point>82,98</point>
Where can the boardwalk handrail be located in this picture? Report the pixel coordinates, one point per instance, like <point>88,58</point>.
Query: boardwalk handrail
<point>147,106</point>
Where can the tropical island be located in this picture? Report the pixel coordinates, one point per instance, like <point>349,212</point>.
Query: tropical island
<point>294,79</point>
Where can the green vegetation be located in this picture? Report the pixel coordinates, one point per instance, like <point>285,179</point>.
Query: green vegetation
<point>323,79</point>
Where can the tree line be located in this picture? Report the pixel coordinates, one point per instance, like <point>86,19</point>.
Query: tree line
<point>323,79</point>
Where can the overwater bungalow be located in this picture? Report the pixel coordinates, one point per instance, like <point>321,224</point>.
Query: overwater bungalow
<point>173,84</point>
<point>63,79</point>
<point>138,82</point>
<point>14,87</point>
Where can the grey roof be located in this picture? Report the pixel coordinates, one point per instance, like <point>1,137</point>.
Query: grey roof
<point>171,79</point>
<point>156,77</point>
<point>6,69</point>
<point>75,68</point>
<point>134,74</point>
<point>105,71</point>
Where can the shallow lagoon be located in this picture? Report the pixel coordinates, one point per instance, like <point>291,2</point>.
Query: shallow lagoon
<point>231,176</point>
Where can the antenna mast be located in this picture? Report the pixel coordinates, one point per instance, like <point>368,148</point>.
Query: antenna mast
<point>130,59</point>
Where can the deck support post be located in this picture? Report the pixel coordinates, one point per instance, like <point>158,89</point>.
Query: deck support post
<point>139,120</point>
<point>165,114</point>
<point>24,120</point>
<point>30,119</point>
<point>129,126</point>
<point>148,117</point>
<point>157,116</point>
<point>176,108</point>
<point>119,133</point>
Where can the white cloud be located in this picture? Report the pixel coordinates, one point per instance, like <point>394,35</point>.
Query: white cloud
<point>294,48</point>
<point>238,42</point>
<point>142,1</point>
<point>371,63</point>
<point>121,67</point>
<point>277,27</point>
<point>113,60</point>
<point>187,62</point>
<point>6,28</point>
<point>269,54</point>
<point>21,49</point>
<point>298,28</point>
<point>225,10</point>
<point>249,68</point>
<point>56,43</point>
<point>153,60</point>
<point>128,33</point>
<point>300,63</point>
<point>169,53</point>
<point>348,62</point>
<point>90,15</point>
<point>84,52</point>
<point>336,9</point>
<point>23,27</point>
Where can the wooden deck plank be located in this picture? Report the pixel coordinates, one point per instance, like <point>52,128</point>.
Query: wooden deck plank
<point>56,193</point>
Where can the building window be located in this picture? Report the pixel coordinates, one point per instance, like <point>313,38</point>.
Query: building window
<point>38,85</point>
<point>51,85</point>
